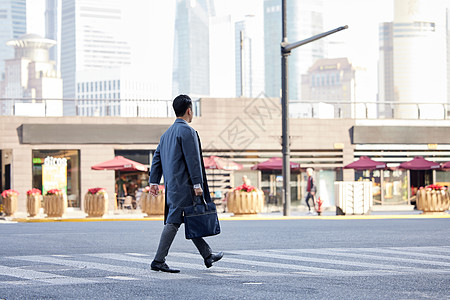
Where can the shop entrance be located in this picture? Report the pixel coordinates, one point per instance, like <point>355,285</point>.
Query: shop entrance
<point>421,178</point>
<point>7,176</point>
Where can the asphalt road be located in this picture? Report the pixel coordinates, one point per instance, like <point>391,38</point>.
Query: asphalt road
<point>276,259</point>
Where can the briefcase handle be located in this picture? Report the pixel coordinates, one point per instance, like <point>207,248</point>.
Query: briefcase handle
<point>199,199</point>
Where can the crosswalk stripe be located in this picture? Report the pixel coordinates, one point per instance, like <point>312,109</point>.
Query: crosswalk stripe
<point>371,256</point>
<point>394,251</point>
<point>178,264</point>
<point>46,269</point>
<point>297,269</point>
<point>40,276</point>
<point>143,273</point>
<point>336,262</point>
<point>423,249</point>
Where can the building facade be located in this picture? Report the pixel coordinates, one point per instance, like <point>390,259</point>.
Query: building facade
<point>53,29</point>
<point>413,58</point>
<point>92,38</point>
<point>249,53</point>
<point>13,24</point>
<point>338,82</point>
<point>191,59</point>
<point>246,131</point>
<point>31,75</point>
<point>304,19</point>
<point>116,92</point>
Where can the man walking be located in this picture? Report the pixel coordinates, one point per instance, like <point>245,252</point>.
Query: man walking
<point>178,158</point>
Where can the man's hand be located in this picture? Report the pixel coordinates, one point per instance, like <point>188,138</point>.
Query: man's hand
<point>154,189</point>
<point>198,191</point>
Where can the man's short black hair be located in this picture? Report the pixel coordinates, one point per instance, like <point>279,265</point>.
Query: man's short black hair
<point>180,104</point>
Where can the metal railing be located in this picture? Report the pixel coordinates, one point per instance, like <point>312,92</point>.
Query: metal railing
<point>369,110</point>
<point>163,109</point>
<point>90,107</point>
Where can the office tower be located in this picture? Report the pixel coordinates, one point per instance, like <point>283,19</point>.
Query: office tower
<point>30,74</point>
<point>221,56</point>
<point>53,29</point>
<point>117,92</point>
<point>304,19</point>
<point>339,84</point>
<point>249,52</point>
<point>191,48</point>
<point>386,70</point>
<point>419,59</point>
<point>13,24</point>
<point>92,38</point>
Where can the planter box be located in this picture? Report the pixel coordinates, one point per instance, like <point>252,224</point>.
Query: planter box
<point>96,205</point>
<point>151,205</point>
<point>433,201</point>
<point>33,204</point>
<point>10,205</point>
<point>244,203</point>
<point>55,205</point>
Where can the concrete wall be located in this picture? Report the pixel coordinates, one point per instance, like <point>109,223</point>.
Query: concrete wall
<point>237,124</point>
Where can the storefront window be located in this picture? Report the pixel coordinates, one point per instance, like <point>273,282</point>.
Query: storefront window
<point>388,186</point>
<point>443,178</point>
<point>272,186</point>
<point>395,187</point>
<point>58,169</point>
<point>375,177</point>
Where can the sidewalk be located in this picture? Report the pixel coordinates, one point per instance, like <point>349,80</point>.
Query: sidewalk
<point>296,214</point>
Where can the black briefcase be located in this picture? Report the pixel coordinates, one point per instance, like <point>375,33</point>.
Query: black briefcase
<point>200,219</point>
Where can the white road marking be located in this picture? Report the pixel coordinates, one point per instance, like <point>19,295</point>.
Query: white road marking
<point>121,278</point>
<point>394,251</point>
<point>143,273</point>
<point>267,254</point>
<point>183,265</point>
<point>138,254</point>
<point>246,264</point>
<point>313,271</point>
<point>39,276</point>
<point>369,256</point>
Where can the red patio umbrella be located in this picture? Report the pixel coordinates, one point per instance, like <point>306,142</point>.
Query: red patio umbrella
<point>446,165</point>
<point>219,163</point>
<point>365,163</point>
<point>120,163</point>
<point>274,163</point>
<point>419,163</point>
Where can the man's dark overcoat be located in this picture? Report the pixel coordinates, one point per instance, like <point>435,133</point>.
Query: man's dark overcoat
<point>178,159</point>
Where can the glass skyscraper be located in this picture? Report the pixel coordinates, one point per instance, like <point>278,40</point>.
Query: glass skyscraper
<point>414,58</point>
<point>191,48</point>
<point>304,19</point>
<point>13,24</point>
<point>91,39</point>
<point>249,53</point>
<point>53,28</point>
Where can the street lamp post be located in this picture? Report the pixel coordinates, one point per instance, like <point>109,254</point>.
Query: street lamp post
<point>285,51</point>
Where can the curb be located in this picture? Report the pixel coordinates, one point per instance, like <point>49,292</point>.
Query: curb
<point>240,218</point>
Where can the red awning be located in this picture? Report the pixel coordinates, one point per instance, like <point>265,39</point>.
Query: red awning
<point>215,162</point>
<point>120,163</point>
<point>419,163</point>
<point>274,163</point>
<point>365,163</point>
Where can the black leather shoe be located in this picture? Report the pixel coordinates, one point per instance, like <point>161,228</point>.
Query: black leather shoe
<point>213,258</point>
<point>163,267</point>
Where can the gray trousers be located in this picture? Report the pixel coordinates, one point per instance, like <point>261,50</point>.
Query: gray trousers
<point>167,237</point>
